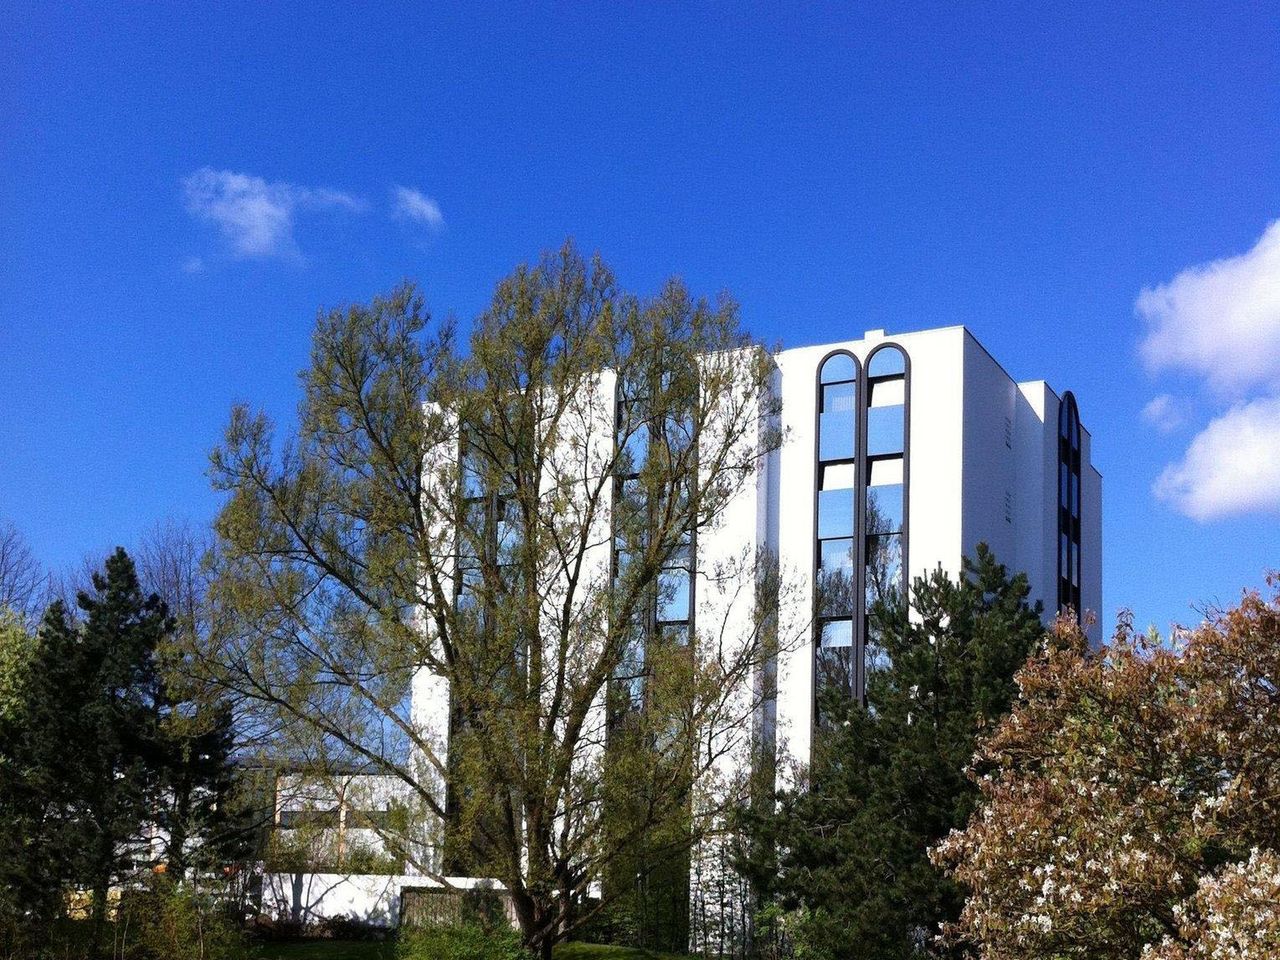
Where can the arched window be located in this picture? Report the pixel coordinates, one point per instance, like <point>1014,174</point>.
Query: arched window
<point>836,579</point>
<point>1069,504</point>
<point>885,504</point>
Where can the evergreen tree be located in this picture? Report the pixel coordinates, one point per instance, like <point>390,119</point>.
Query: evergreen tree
<point>94,739</point>
<point>848,850</point>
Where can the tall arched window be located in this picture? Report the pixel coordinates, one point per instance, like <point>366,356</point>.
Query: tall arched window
<point>836,581</point>
<point>885,504</point>
<point>1069,504</point>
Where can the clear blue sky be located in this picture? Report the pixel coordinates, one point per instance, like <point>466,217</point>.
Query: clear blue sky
<point>1022,170</point>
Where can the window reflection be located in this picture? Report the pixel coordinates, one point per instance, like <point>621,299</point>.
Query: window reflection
<point>884,430</point>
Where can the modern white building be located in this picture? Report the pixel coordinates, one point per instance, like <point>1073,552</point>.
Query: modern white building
<point>900,454</point>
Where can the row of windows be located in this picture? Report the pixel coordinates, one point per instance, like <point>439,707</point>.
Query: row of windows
<point>860,511</point>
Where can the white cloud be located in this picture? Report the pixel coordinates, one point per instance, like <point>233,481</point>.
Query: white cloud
<point>256,217</point>
<point>411,204</point>
<point>1231,467</point>
<point>1220,320</point>
<point>1165,413</point>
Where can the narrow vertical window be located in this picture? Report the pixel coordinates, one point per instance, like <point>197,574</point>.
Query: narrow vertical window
<point>836,580</point>
<point>885,504</point>
<point>1069,505</point>
<point>666,613</point>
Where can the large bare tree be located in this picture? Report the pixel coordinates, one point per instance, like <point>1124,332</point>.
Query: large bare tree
<point>24,583</point>
<point>503,527</point>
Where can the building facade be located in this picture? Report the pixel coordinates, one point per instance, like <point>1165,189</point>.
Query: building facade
<point>899,455</point>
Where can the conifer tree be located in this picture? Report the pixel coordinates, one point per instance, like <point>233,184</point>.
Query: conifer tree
<point>847,852</point>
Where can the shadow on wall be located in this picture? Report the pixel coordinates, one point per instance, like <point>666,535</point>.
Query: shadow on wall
<point>310,898</point>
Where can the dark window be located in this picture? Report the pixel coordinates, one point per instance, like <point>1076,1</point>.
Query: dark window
<point>666,612</point>
<point>1069,468</point>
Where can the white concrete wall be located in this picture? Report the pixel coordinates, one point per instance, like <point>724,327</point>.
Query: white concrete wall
<point>989,459</point>
<point>309,898</point>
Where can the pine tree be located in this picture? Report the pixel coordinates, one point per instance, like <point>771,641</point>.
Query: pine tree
<point>94,734</point>
<point>848,851</point>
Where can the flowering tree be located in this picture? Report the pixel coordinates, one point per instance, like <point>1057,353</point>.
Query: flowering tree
<point>1131,801</point>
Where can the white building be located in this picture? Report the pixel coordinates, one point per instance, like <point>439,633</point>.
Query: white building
<point>900,455</point>
<point>950,452</point>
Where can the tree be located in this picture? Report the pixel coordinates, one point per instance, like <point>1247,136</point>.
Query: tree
<point>23,582</point>
<point>444,517</point>
<point>93,743</point>
<point>32,861</point>
<point>203,808</point>
<point>847,850</point>
<point>1131,800</point>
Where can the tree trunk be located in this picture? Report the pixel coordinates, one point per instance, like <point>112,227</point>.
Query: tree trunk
<point>98,918</point>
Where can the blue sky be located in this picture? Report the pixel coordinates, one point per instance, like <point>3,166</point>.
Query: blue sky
<point>182,187</point>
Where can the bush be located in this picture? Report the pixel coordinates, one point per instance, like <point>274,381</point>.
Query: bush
<point>467,941</point>
<point>173,921</point>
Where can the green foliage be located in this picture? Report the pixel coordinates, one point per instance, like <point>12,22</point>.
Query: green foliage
<point>95,743</point>
<point>574,950</point>
<point>467,941</point>
<point>341,543</point>
<point>848,852</point>
<point>176,921</point>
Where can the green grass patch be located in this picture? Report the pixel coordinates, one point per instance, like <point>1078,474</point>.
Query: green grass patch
<point>603,951</point>
<point>325,950</point>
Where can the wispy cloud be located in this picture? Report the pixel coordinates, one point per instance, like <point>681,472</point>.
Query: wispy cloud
<point>1231,467</point>
<point>1165,413</point>
<point>254,216</point>
<point>1220,322</point>
<point>411,204</point>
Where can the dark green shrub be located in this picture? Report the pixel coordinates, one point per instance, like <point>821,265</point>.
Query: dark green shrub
<point>173,921</point>
<point>466,941</point>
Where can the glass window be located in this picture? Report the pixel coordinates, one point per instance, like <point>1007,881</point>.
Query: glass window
<point>837,633</point>
<point>839,398</point>
<point>884,568</point>
<point>838,476</point>
<point>673,595</point>
<point>838,434</point>
<point>635,448</point>
<point>834,669</point>
<point>836,592</point>
<point>1063,554</point>
<point>886,393</point>
<point>884,509</point>
<point>884,430</point>
<point>836,554</point>
<point>835,513</point>
<point>887,362</point>
<point>1075,494</point>
<point>838,367</point>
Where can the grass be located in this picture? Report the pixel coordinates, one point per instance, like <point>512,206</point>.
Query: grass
<point>325,950</point>
<point>601,951</point>
<point>346,950</point>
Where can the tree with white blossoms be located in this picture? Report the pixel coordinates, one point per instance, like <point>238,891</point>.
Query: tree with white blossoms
<point>1131,800</point>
